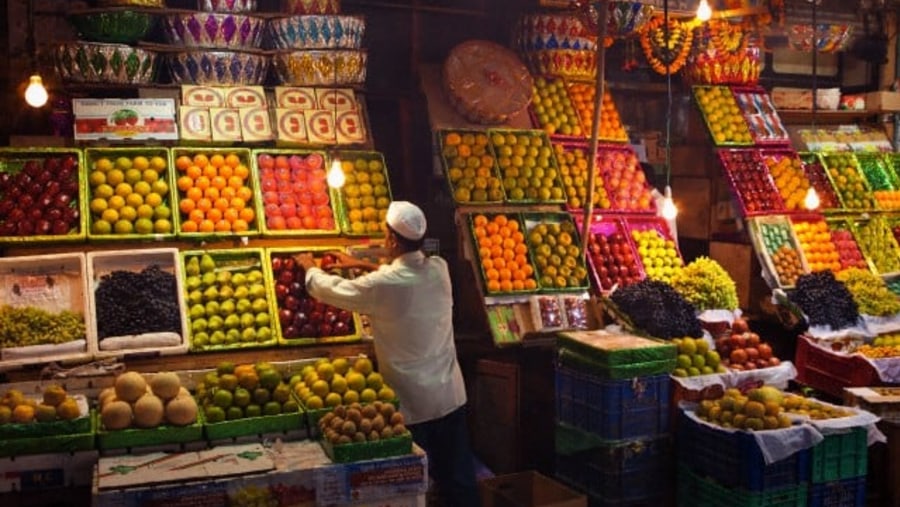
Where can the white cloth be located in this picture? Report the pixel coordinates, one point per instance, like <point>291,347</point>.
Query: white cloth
<point>410,303</point>
<point>406,219</point>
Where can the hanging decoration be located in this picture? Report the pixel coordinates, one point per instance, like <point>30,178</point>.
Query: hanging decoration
<point>623,18</point>
<point>667,58</point>
<point>728,38</point>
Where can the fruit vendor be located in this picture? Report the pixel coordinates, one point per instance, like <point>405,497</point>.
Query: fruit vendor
<point>409,302</point>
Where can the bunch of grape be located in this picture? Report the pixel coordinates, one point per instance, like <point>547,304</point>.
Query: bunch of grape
<point>706,285</point>
<point>32,326</point>
<point>131,303</point>
<point>871,294</point>
<point>825,300</point>
<point>656,308</point>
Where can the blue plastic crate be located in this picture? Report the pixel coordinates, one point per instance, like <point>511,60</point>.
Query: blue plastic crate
<point>613,409</point>
<point>840,456</point>
<point>734,459</point>
<point>843,493</point>
<point>694,491</point>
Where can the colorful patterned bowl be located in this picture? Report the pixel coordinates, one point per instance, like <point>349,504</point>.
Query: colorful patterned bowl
<point>568,63</point>
<point>302,7</point>
<point>551,41</point>
<point>131,3</point>
<point>214,30</point>
<point>118,27</point>
<point>226,5</point>
<point>321,67</point>
<point>226,68</point>
<point>560,26</point>
<point>317,32</point>
<point>90,62</point>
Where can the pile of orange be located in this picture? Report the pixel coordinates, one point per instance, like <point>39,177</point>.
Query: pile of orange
<point>503,254</point>
<point>214,195</point>
<point>815,241</point>
<point>723,115</point>
<point>611,129</point>
<point>470,167</point>
<point>573,168</point>
<point>790,178</point>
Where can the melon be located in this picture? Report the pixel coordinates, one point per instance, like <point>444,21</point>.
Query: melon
<point>148,411</point>
<point>116,415</point>
<point>130,386</point>
<point>181,411</point>
<point>165,385</point>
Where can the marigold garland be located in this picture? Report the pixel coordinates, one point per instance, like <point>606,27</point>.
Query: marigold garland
<point>675,53</point>
<point>727,37</point>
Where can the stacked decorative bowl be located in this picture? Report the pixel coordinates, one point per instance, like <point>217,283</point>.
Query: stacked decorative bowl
<point>319,50</point>
<point>217,45</point>
<point>556,45</point>
<point>104,54</point>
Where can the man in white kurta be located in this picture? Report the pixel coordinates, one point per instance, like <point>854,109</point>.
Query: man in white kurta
<point>410,304</point>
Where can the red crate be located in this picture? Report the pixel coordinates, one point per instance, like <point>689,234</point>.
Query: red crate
<point>829,372</point>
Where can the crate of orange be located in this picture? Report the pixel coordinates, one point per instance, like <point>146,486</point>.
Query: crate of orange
<point>582,95</point>
<point>788,174</point>
<point>724,118</point>
<point>502,253</point>
<point>470,166</point>
<point>553,111</point>
<point>293,193</point>
<point>215,193</point>
<point>556,250</point>
<point>130,194</point>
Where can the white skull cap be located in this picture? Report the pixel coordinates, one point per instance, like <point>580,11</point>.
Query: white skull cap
<point>406,219</point>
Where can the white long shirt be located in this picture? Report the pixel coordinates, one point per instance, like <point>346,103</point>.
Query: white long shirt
<point>410,304</point>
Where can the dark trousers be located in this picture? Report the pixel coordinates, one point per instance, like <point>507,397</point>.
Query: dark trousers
<point>450,460</point>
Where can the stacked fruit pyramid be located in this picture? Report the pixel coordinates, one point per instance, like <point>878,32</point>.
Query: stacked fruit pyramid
<point>721,462</point>
<point>612,396</point>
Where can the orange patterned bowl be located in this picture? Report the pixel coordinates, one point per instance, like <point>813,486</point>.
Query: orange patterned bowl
<point>569,63</point>
<point>300,7</point>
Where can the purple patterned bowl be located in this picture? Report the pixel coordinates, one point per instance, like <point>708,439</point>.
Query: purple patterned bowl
<point>226,5</point>
<point>214,30</point>
<point>226,68</point>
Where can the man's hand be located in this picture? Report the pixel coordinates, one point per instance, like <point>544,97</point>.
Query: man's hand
<point>346,261</point>
<point>306,260</point>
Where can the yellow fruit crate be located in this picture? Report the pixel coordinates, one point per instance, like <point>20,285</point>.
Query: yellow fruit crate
<point>366,194</point>
<point>280,290</point>
<point>215,201</point>
<point>290,185</point>
<point>716,103</point>
<point>129,194</point>
<point>558,270</point>
<point>26,201</point>
<point>256,304</point>
<point>460,150</point>
<point>528,166</point>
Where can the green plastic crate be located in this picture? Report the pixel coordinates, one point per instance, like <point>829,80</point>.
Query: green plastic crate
<point>93,155</point>
<point>840,456</point>
<point>506,162</point>
<point>581,363</point>
<point>694,491</point>
<point>260,193</point>
<point>593,346</point>
<point>531,223</point>
<point>363,451</point>
<point>254,426</point>
<point>80,439</point>
<point>161,435</point>
<point>346,204</point>
<point>448,154</point>
<point>12,161</point>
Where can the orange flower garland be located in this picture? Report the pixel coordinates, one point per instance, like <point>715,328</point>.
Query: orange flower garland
<point>727,37</point>
<point>675,53</point>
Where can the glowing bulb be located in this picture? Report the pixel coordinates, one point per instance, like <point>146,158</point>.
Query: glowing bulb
<point>669,211</point>
<point>704,11</point>
<point>36,94</point>
<point>811,201</point>
<point>335,175</point>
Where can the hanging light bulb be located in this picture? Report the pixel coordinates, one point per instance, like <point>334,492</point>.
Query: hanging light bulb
<point>669,211</point>
<point>704,11</point>
<point>36,94</point>
<point>811,201</point>
<point>335,176</point>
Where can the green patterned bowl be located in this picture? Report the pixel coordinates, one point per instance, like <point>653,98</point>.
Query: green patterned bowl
<point>91,62</point>
<point>121,27</point>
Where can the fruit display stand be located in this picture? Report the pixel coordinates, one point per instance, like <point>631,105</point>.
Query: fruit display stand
<point>364,198</point>
<point>48,295</point>
<point>301,319</point>
<point>220,267</point>
<point>165,331</point>
<point>293,193</point>
<point>129,194</point>
<point>41,197</point>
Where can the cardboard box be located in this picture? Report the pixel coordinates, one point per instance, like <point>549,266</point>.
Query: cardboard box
<point>255,124</point>
<point>883,101</point>
<point>245,96</point>
<point>881,401</point>
<point>320,127</point>
<point>39,472</point>
<point>290,126</point>
<point>226,124</point>
<point>124,119</point>
<point>194,123</point>
<point>290,97</point>
<point>202,96</point>
<point>336,99</point>
<point>350,128</point>
<point>528,489</point>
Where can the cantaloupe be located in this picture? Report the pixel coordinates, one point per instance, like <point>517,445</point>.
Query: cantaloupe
<point>130,386</point>
<point>165,385</point>
<point>148,411</point>
<point>181,411</point>
<point>116,415</point>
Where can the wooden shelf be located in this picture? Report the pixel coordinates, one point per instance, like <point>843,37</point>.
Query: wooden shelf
<point>825,117</point>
